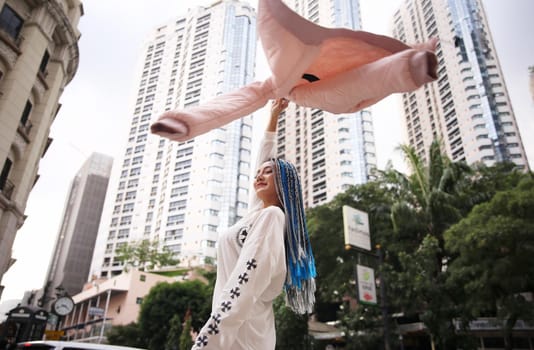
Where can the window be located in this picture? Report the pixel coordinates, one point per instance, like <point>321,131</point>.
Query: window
<point>124,233</point>
<point>26,113</point>
<point>130,195</point>
<point>126,220</point>
<point>211,212</point>
<point>44,62</point>
<point>137,160</point>
<point>179,191</point>
<point>175,219</point>
<point>128,207</point>
<point>147,230</point>
<point>5,173</point>
<point>180,178</point>
<point>10,22</point>
<point>173,234</point>
<point>209,228</point>
<point>177,205</point>
<point>184,152</point>
<point>135,171</point>
<point>133,183</point>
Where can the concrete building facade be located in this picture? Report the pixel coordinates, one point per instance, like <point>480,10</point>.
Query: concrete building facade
<point>330,151</point>
<point>182,194</point>
<point>73,251</point>
<point>468,108</point>
<point>38,58</point>
<point>111,302</point>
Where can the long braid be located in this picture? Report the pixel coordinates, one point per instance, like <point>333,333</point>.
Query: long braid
<point>300,279</point>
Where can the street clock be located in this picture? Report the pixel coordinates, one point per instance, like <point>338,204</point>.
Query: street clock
<point>63,306</point>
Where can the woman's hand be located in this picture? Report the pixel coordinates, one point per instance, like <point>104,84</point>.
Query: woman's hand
<point>277,107</point>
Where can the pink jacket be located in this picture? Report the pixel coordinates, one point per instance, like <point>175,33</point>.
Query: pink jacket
<point>334,69</point>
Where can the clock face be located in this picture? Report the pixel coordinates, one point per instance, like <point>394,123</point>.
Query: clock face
<point>63,306</point>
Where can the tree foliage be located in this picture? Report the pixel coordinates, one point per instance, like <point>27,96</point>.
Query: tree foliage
<point>291,328</point>
<point>127,335</point>
<point>408,216</point>
<point>494,246</point>
<point>362,327</point>
<point>186,342</point>
<point>173,337</point>
<point>426,204</point>
<point>145,255</point>
<point>168,299</point>
<point>335,264</point>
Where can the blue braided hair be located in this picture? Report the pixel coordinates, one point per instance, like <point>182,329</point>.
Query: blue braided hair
<point>300,278</point>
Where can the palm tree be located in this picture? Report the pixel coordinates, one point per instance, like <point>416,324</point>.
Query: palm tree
<point>426,204</point>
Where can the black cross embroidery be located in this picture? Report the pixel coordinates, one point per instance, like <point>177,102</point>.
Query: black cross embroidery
<point>252,264</point>
<point>243,278</point>
<point>213,328</point>
<point>216,318</point>
<point>234,293</point>
<point>202,340</point>
<point>242,236</point>
<point>226,306</point>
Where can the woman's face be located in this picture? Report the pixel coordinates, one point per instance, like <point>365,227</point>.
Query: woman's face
<point>265,186</point>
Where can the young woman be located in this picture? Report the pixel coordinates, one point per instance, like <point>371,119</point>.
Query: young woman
<point>264,253</point>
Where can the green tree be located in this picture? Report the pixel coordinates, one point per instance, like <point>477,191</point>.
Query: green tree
<point>291,328</point>
<point>426,204</point>
<point>484,181</point>
<point>168,299</point>
<point>186,342</point>
<point>145,255</point>
<point>494,245</point>
<point>408,216</point>
<point>127,335</point>
<point>362,327</point>
<point>336,266</point>
<point>173,337</point>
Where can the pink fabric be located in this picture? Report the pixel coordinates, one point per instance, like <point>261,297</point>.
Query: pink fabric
<point>355,69</point>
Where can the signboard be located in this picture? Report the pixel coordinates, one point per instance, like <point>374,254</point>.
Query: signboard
<point>366,284</point>
<point>53,335</point>
<point>356,228</point>
<point>96,311</point>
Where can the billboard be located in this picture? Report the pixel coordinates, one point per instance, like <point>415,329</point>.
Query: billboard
<point>356,228</point>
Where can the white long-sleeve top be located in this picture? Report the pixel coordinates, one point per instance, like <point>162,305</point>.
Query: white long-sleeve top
<point>251,271</point>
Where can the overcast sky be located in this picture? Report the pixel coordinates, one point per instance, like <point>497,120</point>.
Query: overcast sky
<point>96,106</point>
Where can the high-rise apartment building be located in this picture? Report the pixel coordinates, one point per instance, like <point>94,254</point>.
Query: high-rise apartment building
<point>468,108</point>
<point>71,259</point>
<point>330,151</point>
<point>181,193</point>
<point>38,58</point>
